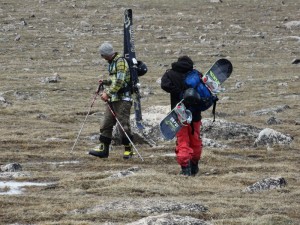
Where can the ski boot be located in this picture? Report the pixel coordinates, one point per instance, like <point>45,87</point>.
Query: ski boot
<point>101,151</point>
<point>128,153</point>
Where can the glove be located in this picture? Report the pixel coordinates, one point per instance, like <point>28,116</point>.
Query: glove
<point>105,82</point>
<point>104,96</point>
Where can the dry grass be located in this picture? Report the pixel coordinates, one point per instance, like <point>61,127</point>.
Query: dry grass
<point>250,33</point>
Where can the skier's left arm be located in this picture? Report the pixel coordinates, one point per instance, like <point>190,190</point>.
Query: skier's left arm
<point>168,85</point>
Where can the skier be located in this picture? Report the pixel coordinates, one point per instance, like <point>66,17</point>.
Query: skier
<point>117,94</point>
<point>189,144</point>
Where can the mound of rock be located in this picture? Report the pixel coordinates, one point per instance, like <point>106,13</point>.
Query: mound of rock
<point>169,219</point>
<point>11,167</point>
<point>271,137</point>
<point>214,134</point>
<point>144,206</point>
<point>267,184</point>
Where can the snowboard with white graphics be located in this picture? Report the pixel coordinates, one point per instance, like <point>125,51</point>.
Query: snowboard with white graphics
<point>172,123</point>
<point>217,74</point>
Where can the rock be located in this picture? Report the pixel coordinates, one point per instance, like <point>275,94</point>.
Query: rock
<point>85,26</point>
<point>2,99</point>
<point>272,110</point>
<point>18,37</point>
<point>169,219</point>
<point>54,79</point>
<point>283,84</point>
<point>272,120</point>
<point>239,85</point>
<point>23,22</point>
<point>9,27</point>
<point>210,131</point>
<point>21,96</point>
<point>269,137</point>
<point>15,175</point>
<point>221,129</point>
<point>267,184</point>
<point>146,206</point>
<point>3,102</point>
<point>12,167</point>
<point>292,25</point>
<point>125,173</point>
<point>151,119</point>
<point>41,116</point>
<point>212,144</point>
<point>54,139</point>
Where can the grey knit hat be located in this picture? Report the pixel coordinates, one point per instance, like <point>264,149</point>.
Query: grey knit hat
<point>106,49</point>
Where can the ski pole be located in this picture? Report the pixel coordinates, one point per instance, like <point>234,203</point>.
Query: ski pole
<point>95,96</point>
<point>113,113</point>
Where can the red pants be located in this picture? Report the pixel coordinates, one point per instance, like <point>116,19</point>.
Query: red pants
<point>189,144</point>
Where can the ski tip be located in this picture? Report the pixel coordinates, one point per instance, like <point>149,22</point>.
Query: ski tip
<point>128,11</point>
<point>140,126</point>
<point>168,138</point>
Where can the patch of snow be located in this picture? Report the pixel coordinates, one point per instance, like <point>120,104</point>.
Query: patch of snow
<point>15,187</point>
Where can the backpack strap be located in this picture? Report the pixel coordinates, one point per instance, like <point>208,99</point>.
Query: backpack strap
<point>124,60</point>
<point>193,129</point>
<point>214,108</point>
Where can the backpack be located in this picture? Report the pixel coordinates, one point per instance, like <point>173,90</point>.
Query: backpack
<point>197,96</point>
<point>141,69</point>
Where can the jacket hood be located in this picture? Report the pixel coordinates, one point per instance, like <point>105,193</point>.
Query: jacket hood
<point>182,66</point>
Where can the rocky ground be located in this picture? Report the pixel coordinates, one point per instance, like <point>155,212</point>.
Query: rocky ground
<point>50,65</point>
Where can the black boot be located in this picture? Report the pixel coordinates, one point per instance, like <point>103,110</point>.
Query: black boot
<point>194,168</point>
<point>186,170</point>
<point>101,151</point>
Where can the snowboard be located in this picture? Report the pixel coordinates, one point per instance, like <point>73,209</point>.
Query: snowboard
<point>130,56</point>
<point>217,74</point>
<point>172,123</point>
<point>213,79</point>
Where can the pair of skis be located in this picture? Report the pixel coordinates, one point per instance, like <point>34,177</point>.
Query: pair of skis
<point>129,54</point>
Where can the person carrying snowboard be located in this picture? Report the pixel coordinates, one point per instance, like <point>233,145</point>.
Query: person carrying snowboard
<point>189,144</point>
<point>117,94</point>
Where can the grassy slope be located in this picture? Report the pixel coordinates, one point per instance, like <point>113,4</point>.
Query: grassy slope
<point>250,33</point>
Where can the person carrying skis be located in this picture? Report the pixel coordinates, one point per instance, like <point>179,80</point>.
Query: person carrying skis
<point>117,94</point>
<point>189,144</point>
